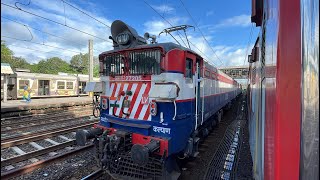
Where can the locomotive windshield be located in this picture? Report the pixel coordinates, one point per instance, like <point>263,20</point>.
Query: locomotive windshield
<point>133,63</point>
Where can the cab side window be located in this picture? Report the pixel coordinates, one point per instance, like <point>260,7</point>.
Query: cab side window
<point>189,66</point>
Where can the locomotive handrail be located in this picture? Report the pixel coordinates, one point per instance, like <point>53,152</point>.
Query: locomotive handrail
<point>175,110</point>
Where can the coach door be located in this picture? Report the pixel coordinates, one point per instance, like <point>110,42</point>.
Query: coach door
<point>82,85</point>
<point>43,88</point>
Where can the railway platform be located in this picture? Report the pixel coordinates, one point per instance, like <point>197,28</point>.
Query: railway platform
<point>46,103</point>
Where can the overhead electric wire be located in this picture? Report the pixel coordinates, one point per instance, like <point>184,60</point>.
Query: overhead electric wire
<point>37,50</point>
<point>201,31</point>
<point>202,53</point>
<point>165,20</point>
<point>40,44</point>
<point>249,41</point>
<point>178,32</point>
<point>85,13</point>
<point>70,27</point>
<point>46,32</point>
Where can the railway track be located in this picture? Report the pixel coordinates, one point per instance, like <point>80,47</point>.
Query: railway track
<point>31,167</point>
<point>224,163</point>
<point>197,168</point>
<point>43,110</point>
<point>17,140</point>
<point>33,141</point>
<point>30,118</point>
<point>8,165</point>
<point>43,122</point>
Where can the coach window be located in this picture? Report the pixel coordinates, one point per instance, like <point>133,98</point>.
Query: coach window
<point>69,85</point>
<point>189,68</point>
<point>61,85</point>
<point>23,83</point>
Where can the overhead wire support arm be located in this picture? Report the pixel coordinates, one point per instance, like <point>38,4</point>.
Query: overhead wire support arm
<point>164,19</point>
<point>177,28</point>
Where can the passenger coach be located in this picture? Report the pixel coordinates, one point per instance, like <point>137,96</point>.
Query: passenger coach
<point>45,85</point>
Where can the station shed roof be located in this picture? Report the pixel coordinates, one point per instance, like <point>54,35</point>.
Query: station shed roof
<point>6,69</point>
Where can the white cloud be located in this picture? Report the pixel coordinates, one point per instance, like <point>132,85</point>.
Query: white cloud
<point>241,20</point>
<point>228,55</point>
<point>72,40</point>
<point>11,29</point>
<point>77,41</point>
<point>164,9</point>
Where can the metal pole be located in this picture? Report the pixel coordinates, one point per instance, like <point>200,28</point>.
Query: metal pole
<point>5,82</point>
<point>90,60</point>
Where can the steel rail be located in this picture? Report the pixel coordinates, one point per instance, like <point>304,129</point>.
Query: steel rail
<point>33,154</point>
<point>28,134</point>
<point>39,164</point>
<point>42,135</point>
<point>93,175</point>
<point>25,110</point>
<point>45,122</point>
<point>39,116</point>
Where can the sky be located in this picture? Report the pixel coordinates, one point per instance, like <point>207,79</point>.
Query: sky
<point>223,33</point>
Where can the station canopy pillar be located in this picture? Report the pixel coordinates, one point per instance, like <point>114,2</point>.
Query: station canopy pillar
<point>5,72</point>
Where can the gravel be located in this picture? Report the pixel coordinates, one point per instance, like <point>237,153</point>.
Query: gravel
<point>44,143</point>
<point>26,148</point>
<point>8,153</point>
<point>57,139</point>
<point>72,167</point>
<point>244,170</point>
<point>69,135</point>
<point>196,169</point>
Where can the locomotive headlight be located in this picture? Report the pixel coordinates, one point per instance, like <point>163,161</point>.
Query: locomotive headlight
<point>104,103</point>
<point>123,38</point>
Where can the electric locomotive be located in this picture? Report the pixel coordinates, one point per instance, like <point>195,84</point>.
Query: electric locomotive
<point>158,100</point>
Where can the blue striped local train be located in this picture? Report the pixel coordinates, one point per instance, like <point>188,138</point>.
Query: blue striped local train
<point>158,100</point>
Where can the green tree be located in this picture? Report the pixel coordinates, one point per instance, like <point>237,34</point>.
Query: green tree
<point>80,63</point>
<point>53,66</point>
<point>6,53</point>
<point>7,56</point>
<point>19,62</point>
<point>96,71</point>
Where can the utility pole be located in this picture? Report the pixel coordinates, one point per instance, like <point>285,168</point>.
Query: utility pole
<point>90,60</point>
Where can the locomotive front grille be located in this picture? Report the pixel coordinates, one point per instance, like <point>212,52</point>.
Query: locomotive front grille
<point>122,165</point>
<point>145,62</point>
